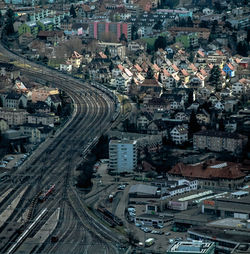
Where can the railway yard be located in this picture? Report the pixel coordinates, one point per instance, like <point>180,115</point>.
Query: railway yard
<point>40,208</point>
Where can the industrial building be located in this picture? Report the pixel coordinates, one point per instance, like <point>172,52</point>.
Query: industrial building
<point>194,247</point>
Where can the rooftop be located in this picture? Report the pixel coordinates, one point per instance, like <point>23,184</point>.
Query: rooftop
<point>191,247</point>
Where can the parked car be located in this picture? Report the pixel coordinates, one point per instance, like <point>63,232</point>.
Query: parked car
<point>167,233</point>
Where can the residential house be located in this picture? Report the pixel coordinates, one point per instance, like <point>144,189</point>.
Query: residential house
<point>41,107</point>
<point>181,116</point>
<point>121,83</point>
<point>179,134</point>
<point>13,117</point>
<point>202,118</point>
<point>3,125</point>
<point>45,24</point>
<point>36,132</point>
<point>9,71</point>
<point>30,27</point>
<point>156,104</point>
<point>229,69</point>
<point>157,127</point>
<point>203,33</point>
<point>238,88</point>
<point>75,60</point>
<point>53,37</point>
<point>114,49</point>
<point>215,175</point>
<point>42,118</point>
<point>150,86</point>
<point>187,39</point>
<point>143,121</point>
<point>54,100</point>
<point>176,101</point>
<point>41,94</point>
<point>14,100</point>
<point>137,45</point>
<point>219,141</point>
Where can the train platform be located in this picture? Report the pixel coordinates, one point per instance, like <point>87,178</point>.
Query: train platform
<point>41,236</point>
<point>11,207</point>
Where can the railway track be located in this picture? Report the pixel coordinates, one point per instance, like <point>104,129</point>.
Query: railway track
<point>93,111</point>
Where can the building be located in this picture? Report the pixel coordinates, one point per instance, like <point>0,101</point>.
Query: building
<point>202,32</point>
<point>219,141</point>
<point>194,247</point>
<point>15,100</point>
<point>13,116</point>
<point>29,27</point>
<point>114,49</point>
<point>234,205</point>
<point>179,134</point>
<point>42,118</point>
<point>211,174</point>
<point>187,39</point>
<point>99,30</point>
<point>122,155</point>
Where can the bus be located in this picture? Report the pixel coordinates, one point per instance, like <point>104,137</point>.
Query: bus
<point>149,242</point>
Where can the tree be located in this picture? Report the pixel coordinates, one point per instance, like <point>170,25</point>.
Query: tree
<point>158,25</point>
<point>242,48</point>
<point>190,97</point>
<point>59,110</point>
<point>134,33</point>
<point>9,28</point>
<point>84,179</point>
<point>106,52</point>
<point>215,76</point>
<point>21,106</point>
<point>123,38</point>
<point>111,66</point>
<point>159,78</point>
<point>72,11</point>
<point>150,73</point>
<point>160,42</point>
<point>193,125</point>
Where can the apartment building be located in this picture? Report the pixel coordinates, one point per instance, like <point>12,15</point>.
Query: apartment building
<point>122,155</point>
<point>219,141</point>
<point>98,29</point>
<point>13,116</point>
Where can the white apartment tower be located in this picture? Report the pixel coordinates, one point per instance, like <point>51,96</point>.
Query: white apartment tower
<point>122,155</point>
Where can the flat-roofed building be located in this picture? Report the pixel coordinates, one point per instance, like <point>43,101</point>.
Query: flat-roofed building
<point>194,247</point>
<point>122,155</point>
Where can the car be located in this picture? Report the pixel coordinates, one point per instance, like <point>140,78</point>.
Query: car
<point>160,233</point>
<point>171,241</point>
<point>154,232</point>
<point>132,214</point>
<point>178,238</point>
<point>130,209</point>
<point>147,230</point>
<point>9,158</point>
<point>5,162</point>
<point>167,233</point>
<point>121,187</point>
<point>138,224</point>
<point>3,166</point>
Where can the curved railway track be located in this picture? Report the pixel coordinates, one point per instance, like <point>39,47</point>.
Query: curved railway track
<point>56,161</point>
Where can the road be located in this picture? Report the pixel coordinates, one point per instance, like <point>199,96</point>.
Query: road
<point>54,163</point>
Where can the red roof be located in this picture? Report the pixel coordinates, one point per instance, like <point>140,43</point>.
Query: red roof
<point>166,73</point>
<point>209,170</point>
<point>175,67</point>
<point>138,68</point>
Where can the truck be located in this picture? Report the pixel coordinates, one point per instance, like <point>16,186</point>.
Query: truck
<point>149,242</point>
